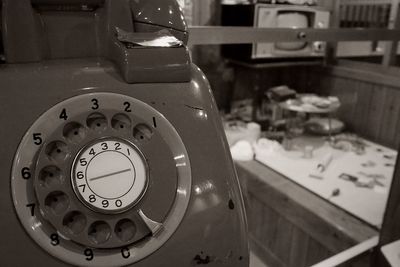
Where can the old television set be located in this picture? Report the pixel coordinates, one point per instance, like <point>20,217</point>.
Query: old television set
<point>274,16</point>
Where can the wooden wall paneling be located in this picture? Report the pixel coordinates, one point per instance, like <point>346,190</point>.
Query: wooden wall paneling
<point>258,217</point>
<point>362,100</point>
<point>257,220</point>
<point>291,217</point>
<point>283,243</point>
<point>330,84</point>
<point>242,89</point>
<point>347,23</point>
<point>318,81</point>
<point>343,88</point>
<point>390,117</point>
<point>352,101</point>
<point>310,213</point>
<point>357,14</point>
<point>364,17</point>
<point>348,99</point>
<point>376,112</point>
<point>250,213</point>
<point>298,79</point>
<point>316,252</point>
<point>265,236</point>
<point>264,253</point>
<point>268,233</point>
<point>298,252</point>
<point>288,78</point>
<point>369,104</point>
<point>306,220</point>
<point>305,81</point>
<point>369,17</point>
<point>387,77</point>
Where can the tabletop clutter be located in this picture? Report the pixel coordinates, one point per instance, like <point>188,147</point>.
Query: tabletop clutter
<point>313,151</point>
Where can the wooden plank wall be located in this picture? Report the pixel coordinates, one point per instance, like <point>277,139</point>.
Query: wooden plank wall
<point>278,241</point>
<point>369,108</point>
<point>289,226</point>
<point>370,98</point>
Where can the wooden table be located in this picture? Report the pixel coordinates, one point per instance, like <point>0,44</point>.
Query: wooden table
<point>290,226</point>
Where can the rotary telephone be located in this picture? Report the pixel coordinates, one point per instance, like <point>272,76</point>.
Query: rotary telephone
<point>113,154</point>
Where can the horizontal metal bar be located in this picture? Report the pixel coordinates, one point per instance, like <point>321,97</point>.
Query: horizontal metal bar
<point>200,35</point>
<point>366,2</point>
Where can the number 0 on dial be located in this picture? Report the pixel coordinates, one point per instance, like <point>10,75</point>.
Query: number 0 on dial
<point>109,175</point>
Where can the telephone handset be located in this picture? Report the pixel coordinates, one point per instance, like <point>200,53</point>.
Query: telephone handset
<point>117,156</point>
<point>148,15</point>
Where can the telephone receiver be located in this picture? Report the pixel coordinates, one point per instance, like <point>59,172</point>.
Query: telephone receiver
<point>113,152</point>
<point>60,29</point>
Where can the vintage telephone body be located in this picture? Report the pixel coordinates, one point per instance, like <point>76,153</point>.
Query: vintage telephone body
<point>111,156</point>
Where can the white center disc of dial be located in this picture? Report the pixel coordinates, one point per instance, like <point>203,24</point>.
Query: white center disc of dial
<point>109,175</point>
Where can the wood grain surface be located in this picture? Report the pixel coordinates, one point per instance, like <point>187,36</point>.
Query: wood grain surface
<point>289,226</point>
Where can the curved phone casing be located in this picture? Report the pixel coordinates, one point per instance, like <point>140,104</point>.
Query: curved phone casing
<point>61,29</point>
<point>54,54</point>
<point>214,226</point>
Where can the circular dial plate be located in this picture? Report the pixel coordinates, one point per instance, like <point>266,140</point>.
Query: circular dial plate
<point>109,175</point>
<point>23,171</point>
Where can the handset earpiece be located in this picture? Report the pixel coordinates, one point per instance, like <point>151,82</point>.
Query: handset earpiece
<point>153,15</point>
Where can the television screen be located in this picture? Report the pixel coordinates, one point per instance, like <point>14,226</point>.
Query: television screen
<point>292,19</point>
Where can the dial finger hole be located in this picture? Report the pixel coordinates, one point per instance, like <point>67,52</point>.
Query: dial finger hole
<point>57,202</point>
<point>99,232</point>
<point>125,230</point>
<point>121,122</point>
<point>57,151</point>
<point>74,132</point>
<point>97,122</point>
<point>142,132</point>
<point>50,176</point>
<point>74,222</point>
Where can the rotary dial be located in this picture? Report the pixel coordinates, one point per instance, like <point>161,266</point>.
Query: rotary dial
<point>109,175</point>
<point>101,179</point>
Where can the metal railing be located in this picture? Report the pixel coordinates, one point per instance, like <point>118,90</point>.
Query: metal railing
<point>213,35</point>
<point>352,20</point>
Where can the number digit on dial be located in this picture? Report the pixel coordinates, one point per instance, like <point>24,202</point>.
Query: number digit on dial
<point>89,254</point>
<point>125,253</point>
<point>63,115</point>
<point>117,146</point>
<point>83,187</point>
<point>127,107</point>
<point>95,104</point>
<point>32,208</point>
<point>104,146</point>
<point>80,175</point>
<point>26,173</point>
<point>83,162</point>
<point>54,239</point>
<point>37,138</point>
<point>92,198</point>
